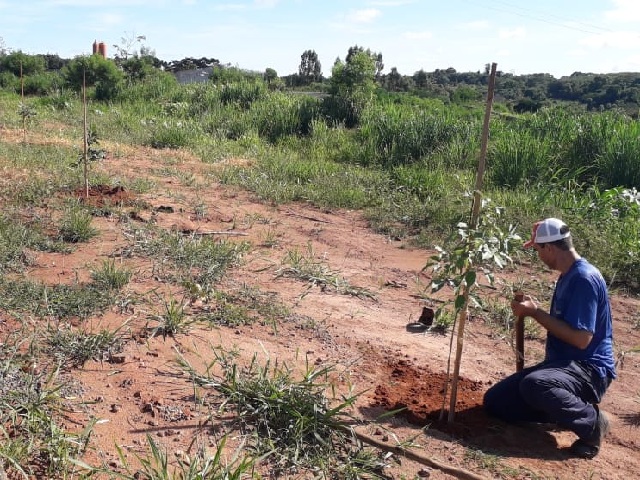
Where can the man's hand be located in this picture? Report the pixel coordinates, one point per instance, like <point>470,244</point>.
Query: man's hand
<point>528,308</point>
<point>525,307</point>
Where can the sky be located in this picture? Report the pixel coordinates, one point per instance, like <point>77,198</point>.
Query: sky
<point>558,37</point>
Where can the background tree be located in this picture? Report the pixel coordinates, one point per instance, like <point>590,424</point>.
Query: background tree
<point>421,79</point>
<point>98,72</point>
<point>53,61</point>
<point>394,82</point>
<point>272,79</point>
<point>127,47</point>
<point>376,57</point>
<point>19,63</point>
<point>4,50</point>
<point>310,69</point>
<point>351,87</point>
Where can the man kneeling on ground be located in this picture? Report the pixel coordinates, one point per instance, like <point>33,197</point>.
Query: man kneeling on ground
<point>568,385</point>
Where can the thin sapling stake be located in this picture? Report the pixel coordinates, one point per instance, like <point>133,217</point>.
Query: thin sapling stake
<point>85,142</point>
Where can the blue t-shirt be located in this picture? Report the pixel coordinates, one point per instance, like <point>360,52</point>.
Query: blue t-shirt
<point>581,300</point>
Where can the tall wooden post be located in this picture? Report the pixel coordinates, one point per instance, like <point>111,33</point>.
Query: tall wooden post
<point>475,213</point>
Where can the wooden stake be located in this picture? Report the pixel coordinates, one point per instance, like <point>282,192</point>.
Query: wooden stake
<point>475,213</point>
<point>85,143</point>
<point>483,148</point>
<point>519,326</point>
<point>414,456</point>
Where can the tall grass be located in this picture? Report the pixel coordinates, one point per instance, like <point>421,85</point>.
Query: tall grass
<point>408,163</point>
<point>393,135</point>
<point>279,115</point>
<point>518,158</point>
<point>619,162</point>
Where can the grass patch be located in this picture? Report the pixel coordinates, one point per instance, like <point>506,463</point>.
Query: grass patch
<point>74,348</point>
<point>110,276</point>
<point>290,421</point>
<point>245,306</point>
<point>173,320</point>
<point>32,441</point>
<point>75,226</point>
<point>24,297</point>
<point>158,464</point>
<point>17,237</point>
<point>187,259</point>
<point>305,267</point>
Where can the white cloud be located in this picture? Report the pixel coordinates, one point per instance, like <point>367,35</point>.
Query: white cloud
<point>109,19</point>
<point>230,7</point>
<point>367,15</point>
<point>266,3</point>
<point>98,3</point>
<point>391,3</point>
<point>476,25</point>
<point>624,11</point>
<point>508,33</point>
<point>418,35</point>
<point>622,40</point>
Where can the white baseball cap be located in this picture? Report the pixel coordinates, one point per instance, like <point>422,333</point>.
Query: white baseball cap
<point>548,230</point>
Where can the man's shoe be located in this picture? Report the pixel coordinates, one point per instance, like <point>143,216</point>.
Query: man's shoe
<point>589,448</point>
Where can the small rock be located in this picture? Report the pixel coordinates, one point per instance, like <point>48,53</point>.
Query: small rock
<point>118,358</point>
<point>424,473</point>
<point>115,408</point>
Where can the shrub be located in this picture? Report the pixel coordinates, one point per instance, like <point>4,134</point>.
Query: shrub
<point>243,94</point>
<point>95,71</point>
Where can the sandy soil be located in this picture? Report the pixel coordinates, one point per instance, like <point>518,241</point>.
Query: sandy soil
<point>366,338</point>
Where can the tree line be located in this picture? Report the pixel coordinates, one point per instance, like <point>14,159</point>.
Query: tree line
<point>41,73</point>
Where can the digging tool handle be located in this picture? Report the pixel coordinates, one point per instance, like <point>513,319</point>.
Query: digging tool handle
<point>519,326</point>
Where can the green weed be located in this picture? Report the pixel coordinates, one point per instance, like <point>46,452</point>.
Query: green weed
<point>110,276</point>
<point>306,268</point>
<point>74,348</point>
<point>75,226</point>
<point>57,301</point>
<point>290,422</point>
<point>173,320</point>
<point>33,442</point>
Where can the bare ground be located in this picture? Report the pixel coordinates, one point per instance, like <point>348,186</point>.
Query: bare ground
<point>364,337</point>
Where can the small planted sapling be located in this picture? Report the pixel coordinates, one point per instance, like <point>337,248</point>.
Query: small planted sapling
<point>470,252</point>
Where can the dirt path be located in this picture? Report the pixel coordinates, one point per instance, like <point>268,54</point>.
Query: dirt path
<point>364,336</point>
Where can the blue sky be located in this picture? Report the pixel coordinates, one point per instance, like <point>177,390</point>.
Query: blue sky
<point>522,36</point>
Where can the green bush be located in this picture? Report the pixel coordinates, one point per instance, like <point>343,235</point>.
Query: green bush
<point>619,162</point>
<point>169,135</point>
<point>42,83</point>
<point>94,71</point>
<point>518,158</point>
<point>243,94</point>
<point>279,115</point>
<point>397,135</point>
<point>9,82</point>
<point>21,64</point>
<point>156,85</point>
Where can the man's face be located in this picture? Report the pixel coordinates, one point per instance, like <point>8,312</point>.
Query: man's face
<point>544,253</point>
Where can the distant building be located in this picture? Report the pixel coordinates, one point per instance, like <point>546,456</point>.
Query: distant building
<point>100,48</point>
<point>196,75</point>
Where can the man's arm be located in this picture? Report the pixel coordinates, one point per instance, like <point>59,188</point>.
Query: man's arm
<point>558,328</point>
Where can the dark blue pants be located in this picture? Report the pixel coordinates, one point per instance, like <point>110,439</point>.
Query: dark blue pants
<point>564,393</point>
